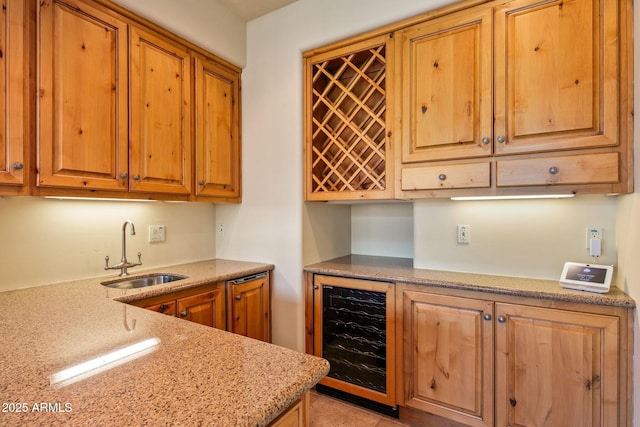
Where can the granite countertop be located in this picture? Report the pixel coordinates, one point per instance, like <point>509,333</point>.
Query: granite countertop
<point>195,375</point>
<point>401,270</point>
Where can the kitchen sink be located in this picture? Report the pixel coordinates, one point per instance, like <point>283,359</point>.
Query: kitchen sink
<point>142,282</point>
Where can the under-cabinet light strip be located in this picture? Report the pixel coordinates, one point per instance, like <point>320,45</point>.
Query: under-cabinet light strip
<point>519,197</point>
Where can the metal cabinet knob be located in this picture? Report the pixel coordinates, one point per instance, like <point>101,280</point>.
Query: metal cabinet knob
<point>136,177</point>
<point>124,175</point>
<point>442,177</point>
<point>501,139</point>
<point>238,297</point>
<point>18,166</point>
<point>184,313</point>
<point>553,170</point>
<point>201,182</point>
<point>485,140</point>
<point>163,308</point>
<point>501,319</point>
<point>487,316</point>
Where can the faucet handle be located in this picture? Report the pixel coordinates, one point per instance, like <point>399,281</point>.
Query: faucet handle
<point>106,262</point>
<point>139,258</point>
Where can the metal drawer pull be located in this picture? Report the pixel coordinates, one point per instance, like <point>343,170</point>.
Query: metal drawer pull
<point>184,314</point>
<point>553,170</point>
<point>442,177</point>
<point>18,165</point>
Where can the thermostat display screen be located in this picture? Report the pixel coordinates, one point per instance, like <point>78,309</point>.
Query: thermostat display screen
<point>586,274</point>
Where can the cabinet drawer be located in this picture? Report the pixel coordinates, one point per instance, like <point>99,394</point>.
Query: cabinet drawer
<point>579,169</point>
<point>471,175</point>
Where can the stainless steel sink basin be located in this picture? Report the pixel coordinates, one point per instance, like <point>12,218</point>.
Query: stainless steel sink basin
<point>141,282</point>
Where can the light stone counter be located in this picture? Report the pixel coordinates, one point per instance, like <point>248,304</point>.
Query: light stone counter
<point>401,270</point>
<point>196,375</point>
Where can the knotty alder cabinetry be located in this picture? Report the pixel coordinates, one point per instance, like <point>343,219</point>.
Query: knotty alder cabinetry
<point>348,150</point>
<point>482,98</point>
<point>512,103</point>
<point>13,149</point>
<point>115,109</point>
<point>243,308</point>
<point>556,364</point>
<point>204,305</point>
<point>249,307</point>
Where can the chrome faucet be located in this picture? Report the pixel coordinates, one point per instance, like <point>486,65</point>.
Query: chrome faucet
<point>124,264</point>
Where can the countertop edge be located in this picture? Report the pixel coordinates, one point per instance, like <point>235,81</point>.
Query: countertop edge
<point>396,270</point>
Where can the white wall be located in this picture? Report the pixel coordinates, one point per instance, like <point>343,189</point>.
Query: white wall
<point>382,229</point>
<point>273,220</point>
<point>531,238</point>
<point>49,240</point>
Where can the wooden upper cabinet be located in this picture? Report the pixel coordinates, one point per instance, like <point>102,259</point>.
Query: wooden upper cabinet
<point>447,108</point>
<point>557,368</point>
<point>348,116</point>
<point>217,132</point>
<point>12,112</point>
<point>556,75</point>
<point>82,102</point>
<point>161,137</point>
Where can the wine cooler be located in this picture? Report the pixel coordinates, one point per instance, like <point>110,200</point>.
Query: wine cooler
<point>351,330</point>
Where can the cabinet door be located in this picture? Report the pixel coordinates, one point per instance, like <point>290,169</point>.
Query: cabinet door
<point>551,91</point>
<point>207,308</point>
<point>12,47</point>
<point>448,356</point>
<point>349,111</point>
<point>217,130</point>
<point>168,308</point>
<point>161,137</point>
<point>250,309</point>
<point>555,367</point>
<point>82,103</point>
<point>447,104</point>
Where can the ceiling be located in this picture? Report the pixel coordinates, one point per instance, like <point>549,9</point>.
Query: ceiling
<point>252,9</point>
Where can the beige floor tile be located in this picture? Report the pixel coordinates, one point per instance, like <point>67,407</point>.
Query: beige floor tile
<point>327,411</point>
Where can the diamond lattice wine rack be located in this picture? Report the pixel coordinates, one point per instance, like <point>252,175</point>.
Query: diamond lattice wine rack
<point>346,123</point>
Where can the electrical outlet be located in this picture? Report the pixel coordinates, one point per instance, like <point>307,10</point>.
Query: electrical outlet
<point>221,229</point>
<point>592,233</point>
<point>463,234</point>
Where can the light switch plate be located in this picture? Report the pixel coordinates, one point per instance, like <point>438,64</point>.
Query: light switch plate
<point>156,233</point>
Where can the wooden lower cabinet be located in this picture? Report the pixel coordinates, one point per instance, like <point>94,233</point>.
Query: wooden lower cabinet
<point>473,361</point>
<point>448,353</point>
<point>207,308</point>
<point>249,307</point>
<point>556,367</point>
<point>204,305</point>
<point>297,415</point>
<point>242,307</point>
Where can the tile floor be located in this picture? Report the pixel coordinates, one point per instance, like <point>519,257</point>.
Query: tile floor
<point>327,411</point>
